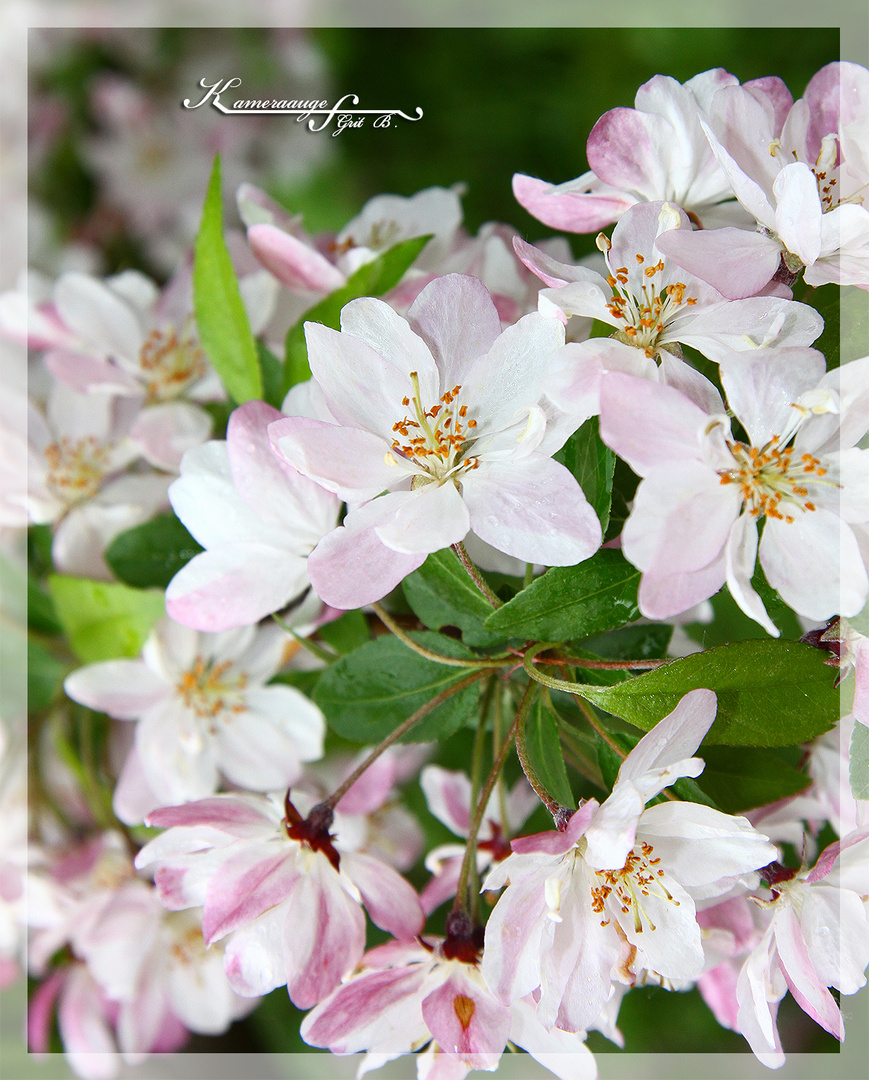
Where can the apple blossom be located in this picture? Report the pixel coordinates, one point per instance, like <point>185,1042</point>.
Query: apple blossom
<point>448,795</point>
<point>302,264</point>
<point>694,523</point>
<point>447,415</point>
<point>656,151</point>
<point>203,711</point>
<point>406,995</point>
<point>654,304</point>
<point>817,937</point>
<point>614,893</point>
<point>256,517</point>
<point>792,177</point>
<point>276,885</point>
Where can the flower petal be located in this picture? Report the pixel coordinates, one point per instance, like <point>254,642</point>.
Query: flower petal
<point>533,509</point>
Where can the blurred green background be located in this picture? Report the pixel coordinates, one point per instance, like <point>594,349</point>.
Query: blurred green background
<point>495,102</point>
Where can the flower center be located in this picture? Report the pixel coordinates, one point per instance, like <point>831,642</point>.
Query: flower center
<point>773,480</point>
<point>624,889</point>
<point>206,692</point>
<point>435,439</point>
<point>187,944</point>
<point>642,317</point>
<point>76,467</point>
<point>171,362</point>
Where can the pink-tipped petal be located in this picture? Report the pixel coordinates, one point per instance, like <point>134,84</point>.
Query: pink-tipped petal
<point>293,262</point>
<point>389,899</point>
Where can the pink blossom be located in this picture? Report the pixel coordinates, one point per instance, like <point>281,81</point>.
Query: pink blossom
<point>655,305</point>
<point>257,518</point>
<point>612,897</point>
<point>446,414</point>
<point>818,937</point>
<point>203,711</point>
<point>371,816</point>
<point>656,151</point>
<point>284,894</point>
<point>694,523</point>
<point>319,266</point>
<point>795,180</point>
<point>408,995</point>
<point>76,456</point>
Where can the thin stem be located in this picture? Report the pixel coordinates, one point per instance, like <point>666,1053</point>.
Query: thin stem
<point>402,729</point>
<point>461,901</point>
<point>475,574</point>
<point>497,717</point>
<point>604,665</point>
<point>590,715</point>
<point>547,680</point>
<point>529,575</point>
<point>309,646</point>
<point>450,661</point>
<point>476,769</point>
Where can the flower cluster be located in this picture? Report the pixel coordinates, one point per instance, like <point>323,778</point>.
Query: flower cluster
<point>436,554</point>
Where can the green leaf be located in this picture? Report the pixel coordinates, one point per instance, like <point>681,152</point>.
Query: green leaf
<point>543,749</point>
<point>347,633</point>
<point>647,642</point>
<point>825,300</point>
<point>105,620</point>
<point>150,555</point>
<point>609,762</point>
<point>593,465</point>
<point>368,693</point>
<point>859,768</point>
<point>45,675</point>
<point>373,279</point>
<point>441,594</point>
<point>221,318</point>
<point>273,376</point>
<point>624,487</point>
<point>741,778</point>
<point>770,693</point>
<point>730,623</point>
<point>41,615</point>
<point>572,601</point>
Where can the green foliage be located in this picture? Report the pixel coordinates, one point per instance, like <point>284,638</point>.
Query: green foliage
<point>368,693</point>
<point>593,465</point>
<point>373,279</point>
<point>646,642</point>
<point>224,329</point>
<point>150,555</point>
<point>770,693</point>
<point>45,675</point>
<point>742,778</point>
<point>825,300</point>
<point>105,620</point>
<point>859,767</point>
<point>441,593</point>
<point>730,623</point>
<point>572,601</point>
<point>41,616</point>
<point>347,633</point>
<point>542,750</point>
<point>273,376</point>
